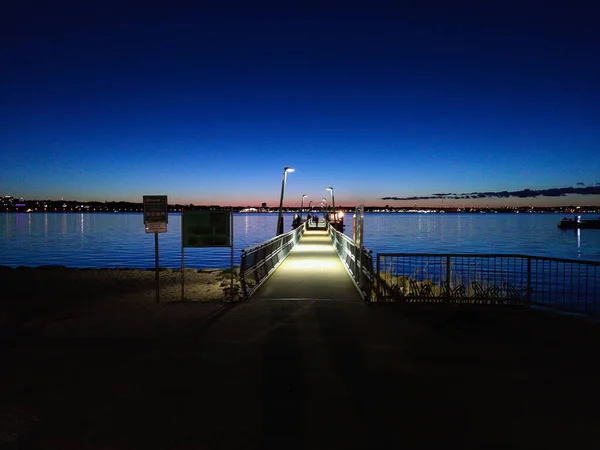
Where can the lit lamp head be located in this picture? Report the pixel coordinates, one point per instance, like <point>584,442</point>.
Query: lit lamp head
<point>330,189</point>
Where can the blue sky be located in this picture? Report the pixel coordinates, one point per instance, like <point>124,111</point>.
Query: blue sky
<point>106,101</point>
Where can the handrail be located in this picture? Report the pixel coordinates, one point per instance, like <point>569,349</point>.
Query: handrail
<point>495,255</point>
<point>357,261</point>
<point>260,261</point>
<point>512,279</point>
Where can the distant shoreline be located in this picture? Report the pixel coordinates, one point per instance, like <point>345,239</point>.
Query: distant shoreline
<point>507,210</point>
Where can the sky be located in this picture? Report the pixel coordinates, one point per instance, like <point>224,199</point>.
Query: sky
<point>395,103</point>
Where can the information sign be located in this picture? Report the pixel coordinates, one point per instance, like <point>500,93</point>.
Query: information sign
<point>156,209</point>
<point>204,228</point>
<point>156,227</point>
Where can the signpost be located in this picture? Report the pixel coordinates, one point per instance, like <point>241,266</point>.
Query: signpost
<point>156,209</point>
<point>156,217</point>
<point>206,228</point>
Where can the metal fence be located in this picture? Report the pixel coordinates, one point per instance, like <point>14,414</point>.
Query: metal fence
<point>358,261</point>
<point>489,279</point>
<point>260,261</point>
<point>320,225</point>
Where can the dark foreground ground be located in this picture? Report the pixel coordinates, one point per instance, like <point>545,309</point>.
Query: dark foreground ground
<point>297,375</point>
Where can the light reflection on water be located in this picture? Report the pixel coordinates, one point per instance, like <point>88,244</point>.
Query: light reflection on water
<point>119,239</point>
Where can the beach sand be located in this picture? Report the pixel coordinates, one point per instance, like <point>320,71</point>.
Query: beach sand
<point>60,297</point>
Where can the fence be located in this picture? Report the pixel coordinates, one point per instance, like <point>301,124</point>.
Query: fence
<point>489,279</point>
<point>358,261</point>
<point>260,261</point>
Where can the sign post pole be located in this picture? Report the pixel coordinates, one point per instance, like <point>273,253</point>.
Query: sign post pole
<point>156,267</point>
<point>182,263</point>
<point>231,288</point>
<point>156,217</point>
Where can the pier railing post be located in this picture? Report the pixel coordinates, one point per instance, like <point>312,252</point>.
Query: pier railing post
<point>377,282</point>
<point>528,295</point>
<point>448,275</point>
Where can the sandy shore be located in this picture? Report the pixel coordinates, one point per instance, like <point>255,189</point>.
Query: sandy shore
<point>45,295</point>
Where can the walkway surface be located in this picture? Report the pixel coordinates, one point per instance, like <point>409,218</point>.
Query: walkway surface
<point>312,270</point>
<point>302,375</point>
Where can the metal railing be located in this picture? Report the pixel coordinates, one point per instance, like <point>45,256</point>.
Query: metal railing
<point>489,279</point>
<point>358,262</point>
<point>320,225</point>
<point>260,261</point>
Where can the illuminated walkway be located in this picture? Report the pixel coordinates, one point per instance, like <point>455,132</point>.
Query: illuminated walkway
<point>312,270</point>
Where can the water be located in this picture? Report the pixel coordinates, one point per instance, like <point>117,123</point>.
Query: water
<point>528,234</point>
<point>119,240</point>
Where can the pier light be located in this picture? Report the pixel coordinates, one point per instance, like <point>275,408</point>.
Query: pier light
<point>302,205</point>
<point>280,218</point>
<point>332,201</point>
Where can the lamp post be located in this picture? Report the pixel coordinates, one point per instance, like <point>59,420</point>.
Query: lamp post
<point>280,218</point>
<point>332,201</point>
<point>302,205</point>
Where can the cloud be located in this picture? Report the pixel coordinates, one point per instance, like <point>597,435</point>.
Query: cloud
<point>524,193</point>
<point>580,184</point>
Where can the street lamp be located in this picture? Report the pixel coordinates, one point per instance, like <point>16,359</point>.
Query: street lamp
<point>302,205</point>
<point>280,218</point>
<point>332,201</point>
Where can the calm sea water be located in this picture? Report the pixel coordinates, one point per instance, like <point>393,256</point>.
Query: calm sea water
<point>119,240</point>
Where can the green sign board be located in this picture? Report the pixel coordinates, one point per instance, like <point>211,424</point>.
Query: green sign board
<point>201,228</point>
<point>156,208</point>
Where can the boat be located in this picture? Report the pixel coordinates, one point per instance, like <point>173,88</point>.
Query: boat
<point>573,224</point>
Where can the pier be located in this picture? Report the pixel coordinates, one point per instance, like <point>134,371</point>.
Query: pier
<point>311,271</point>
<point>324,263</point>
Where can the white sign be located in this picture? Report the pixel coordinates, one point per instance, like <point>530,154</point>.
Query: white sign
<point>156,227</point>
